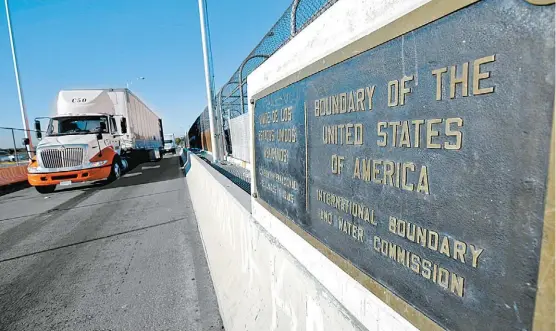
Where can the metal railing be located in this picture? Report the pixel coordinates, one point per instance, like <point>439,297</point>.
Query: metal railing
<point>231,99</point>
<point>12,150</point>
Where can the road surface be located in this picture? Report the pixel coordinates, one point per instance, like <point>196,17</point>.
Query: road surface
<point>124,256</point>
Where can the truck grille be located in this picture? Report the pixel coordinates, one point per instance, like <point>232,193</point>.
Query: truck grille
<point>61,158</point>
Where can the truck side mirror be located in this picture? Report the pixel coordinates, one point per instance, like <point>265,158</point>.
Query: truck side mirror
<point>124,125</point>
<point>99,135</point>
<point>38,131</point>
<point>25,141</point>
<point>102,126</point>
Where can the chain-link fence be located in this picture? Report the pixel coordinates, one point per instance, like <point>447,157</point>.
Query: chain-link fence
<point>231,99</point>
<point>238,175</point>
<point>239,132</point>
<point>12,150</point>
<point>14,157</point>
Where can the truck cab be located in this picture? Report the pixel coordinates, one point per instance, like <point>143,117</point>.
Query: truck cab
<point>83,142</point>
<point>170,143</point>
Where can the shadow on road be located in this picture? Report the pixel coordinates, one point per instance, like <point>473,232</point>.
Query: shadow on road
<point>137,174</point>
<point>90,240</point>
<point>57,209</point>
<point>11,188</point>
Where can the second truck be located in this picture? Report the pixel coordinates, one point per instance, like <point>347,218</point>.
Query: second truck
<point>170,143</point>
<point>94,136</point>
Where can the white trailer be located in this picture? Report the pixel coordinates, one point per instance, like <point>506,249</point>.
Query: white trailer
<point>144,127</point>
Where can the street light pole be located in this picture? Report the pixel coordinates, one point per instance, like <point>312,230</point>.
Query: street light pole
<point>215,151</point>
<point>18,82</point>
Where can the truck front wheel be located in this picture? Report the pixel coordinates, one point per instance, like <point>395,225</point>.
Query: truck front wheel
<point>116,170</point>
<point>45,189</point>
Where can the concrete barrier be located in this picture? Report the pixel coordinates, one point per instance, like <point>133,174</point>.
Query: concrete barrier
<point>185,160</point>
<point>258,283</point>
<point>12,175</point>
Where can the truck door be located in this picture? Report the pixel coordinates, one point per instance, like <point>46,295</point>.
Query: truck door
<point>115,138</point>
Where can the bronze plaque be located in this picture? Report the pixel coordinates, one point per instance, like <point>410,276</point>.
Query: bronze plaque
<point>423,161</point>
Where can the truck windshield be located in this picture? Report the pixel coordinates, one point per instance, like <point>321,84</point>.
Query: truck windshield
<point>168,141</point>
<point>77,125</point>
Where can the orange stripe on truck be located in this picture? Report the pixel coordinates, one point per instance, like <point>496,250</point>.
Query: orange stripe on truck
<point>108,154</point>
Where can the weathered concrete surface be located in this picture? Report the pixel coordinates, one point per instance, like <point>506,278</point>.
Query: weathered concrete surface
<point>126,256</point>
<point>259,284</point>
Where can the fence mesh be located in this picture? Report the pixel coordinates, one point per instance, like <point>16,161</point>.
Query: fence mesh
<point>14,157</point>
<point>239,136</point>
<point>228,100</point>
<point>12,150</point>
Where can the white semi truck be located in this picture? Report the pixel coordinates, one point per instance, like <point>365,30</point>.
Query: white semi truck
<point>94,136</point>
<point>170,143</point>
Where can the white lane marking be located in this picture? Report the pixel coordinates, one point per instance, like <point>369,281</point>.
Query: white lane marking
<point>150,167</point>
<point>133,174</point>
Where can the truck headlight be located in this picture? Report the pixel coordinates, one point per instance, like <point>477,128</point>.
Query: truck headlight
<point>97,164</point>
<point>32,170</point>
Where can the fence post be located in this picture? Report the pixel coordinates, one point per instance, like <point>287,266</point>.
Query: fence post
<point>15,148</point>
<point>240,74</point>
<point>230,132</point>
<point>293,19</point>
<point>223,137</point>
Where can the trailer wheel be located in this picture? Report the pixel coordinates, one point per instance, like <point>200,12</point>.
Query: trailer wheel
<point>116,170</point>
<point>45,189</point>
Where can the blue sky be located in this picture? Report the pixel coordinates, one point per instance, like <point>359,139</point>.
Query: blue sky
<point>105,43</point>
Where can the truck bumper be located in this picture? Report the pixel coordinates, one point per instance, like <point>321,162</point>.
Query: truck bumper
<point>77,176</point>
